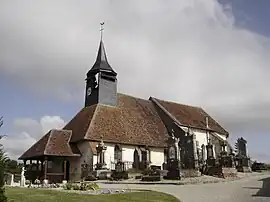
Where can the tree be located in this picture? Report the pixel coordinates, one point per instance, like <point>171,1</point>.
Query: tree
<point>3,162</point>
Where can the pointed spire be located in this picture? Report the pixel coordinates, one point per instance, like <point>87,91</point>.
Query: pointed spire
<point>102,63</point>
<point>101,57</point>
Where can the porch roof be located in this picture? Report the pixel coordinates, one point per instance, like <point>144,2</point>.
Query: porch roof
<point>54,143</point>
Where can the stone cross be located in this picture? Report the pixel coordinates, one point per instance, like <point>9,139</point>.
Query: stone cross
<point>176,143</point>
<point>101,30</point>
<point>101,148</point>
<point>204,157</point>
<point>22,183</point>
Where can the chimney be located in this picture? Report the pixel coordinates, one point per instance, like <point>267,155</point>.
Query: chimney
<point>206,120</point>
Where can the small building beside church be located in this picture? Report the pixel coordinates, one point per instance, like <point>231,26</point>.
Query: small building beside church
<point>134,131</point>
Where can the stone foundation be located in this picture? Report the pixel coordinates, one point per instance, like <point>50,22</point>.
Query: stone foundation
<point>222,172</point>
<point>102,174</point>
<point>190,173</point>
<point>244,169</point>
<point>173,175</point>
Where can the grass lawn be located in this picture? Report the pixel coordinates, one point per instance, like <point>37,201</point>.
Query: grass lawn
<point>39,195</point>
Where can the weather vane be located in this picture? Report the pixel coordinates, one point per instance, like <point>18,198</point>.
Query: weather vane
<point>101,30</point>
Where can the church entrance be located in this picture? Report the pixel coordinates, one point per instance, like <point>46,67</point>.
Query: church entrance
<point>136,159</point>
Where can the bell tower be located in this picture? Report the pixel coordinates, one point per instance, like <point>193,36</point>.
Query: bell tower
<point>101,80</point>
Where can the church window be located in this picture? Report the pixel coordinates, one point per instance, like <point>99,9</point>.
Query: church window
<point>136,159</point>
<point>117,153</point>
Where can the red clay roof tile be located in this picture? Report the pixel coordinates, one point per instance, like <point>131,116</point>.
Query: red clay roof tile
<point>191,116</point>
<point>54,143</point>
<point>134,121</point>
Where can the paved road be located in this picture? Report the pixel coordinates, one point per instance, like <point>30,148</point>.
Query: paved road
<point>255,189</point>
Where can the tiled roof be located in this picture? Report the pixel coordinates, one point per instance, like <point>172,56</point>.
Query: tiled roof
<point>133,121</point>
<point>54,143</point>
<point>80,123</point>
<point>191,116</point>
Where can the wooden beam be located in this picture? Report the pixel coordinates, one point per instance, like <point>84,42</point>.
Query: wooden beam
<point>45,168</point>
<point>65,170</point>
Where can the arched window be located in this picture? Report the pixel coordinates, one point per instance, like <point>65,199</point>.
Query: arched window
<point>136,159</point>
<point>117,153</point>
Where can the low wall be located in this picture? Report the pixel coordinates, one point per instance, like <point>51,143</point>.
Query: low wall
<point>190,173</point>
<point>222,172</point>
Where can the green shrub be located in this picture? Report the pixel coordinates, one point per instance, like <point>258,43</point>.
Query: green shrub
<point>68,186</point>
<point>3,198</point>
<point>93,186</point>
<point>83,186</point>
<point>76,187</point>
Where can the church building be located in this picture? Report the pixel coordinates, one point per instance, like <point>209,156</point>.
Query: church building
<point>131,129</point>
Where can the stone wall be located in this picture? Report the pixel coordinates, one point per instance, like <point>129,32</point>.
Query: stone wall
<point>190,173</point>
<point>77,163</point>
<point>221,172</point>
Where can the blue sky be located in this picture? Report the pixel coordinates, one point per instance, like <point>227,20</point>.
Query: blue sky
<point>251,15</point>
<point>44,60</point>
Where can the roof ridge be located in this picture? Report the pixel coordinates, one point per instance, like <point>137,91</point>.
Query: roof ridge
<point>50,133</point>
<point>214,119</point>
<point>124,94</point>
<point>174,102</point>
<point>165,110</point>
<point>93,117</point>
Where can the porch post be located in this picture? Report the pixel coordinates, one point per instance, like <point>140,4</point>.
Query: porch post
<point>46,167</point>
<point>42,165</point>
<point>37,165</point>
<point>65,169</point>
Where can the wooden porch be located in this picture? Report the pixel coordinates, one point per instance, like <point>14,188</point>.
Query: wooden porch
<point>52,168</point>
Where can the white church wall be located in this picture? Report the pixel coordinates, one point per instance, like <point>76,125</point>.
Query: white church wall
<point>127,155</point>
<point>201,137</point>
<point>94,160</point>
<point>109,155</point>
<point>157,156</point>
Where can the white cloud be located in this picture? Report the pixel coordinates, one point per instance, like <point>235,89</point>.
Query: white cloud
<point>26,132</point>
<point>188,51</point>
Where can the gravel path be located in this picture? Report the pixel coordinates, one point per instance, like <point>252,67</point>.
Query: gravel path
<point>255,188</point>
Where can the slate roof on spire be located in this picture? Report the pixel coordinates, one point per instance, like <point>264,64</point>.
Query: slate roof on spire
<point>102,63</point>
